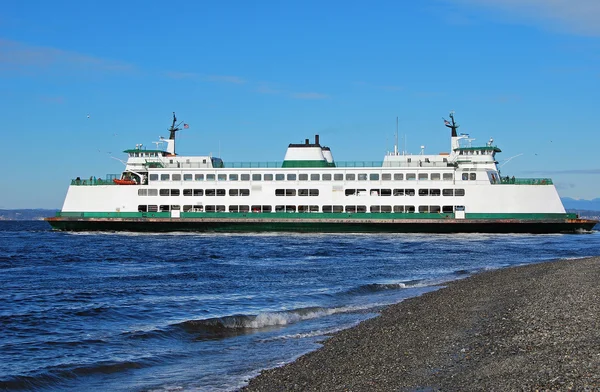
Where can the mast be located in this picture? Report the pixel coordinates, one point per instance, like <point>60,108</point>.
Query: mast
<point>396,144</point>
<point>171,142</point>
<point>452,125</point>
<point>174,129</point>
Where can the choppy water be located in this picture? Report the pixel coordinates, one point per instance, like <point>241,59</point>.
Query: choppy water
<point>188,312</point>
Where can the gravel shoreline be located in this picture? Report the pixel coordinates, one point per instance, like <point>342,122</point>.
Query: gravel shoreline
<point>533,327</point>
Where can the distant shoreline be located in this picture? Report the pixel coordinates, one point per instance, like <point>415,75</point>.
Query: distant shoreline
<point>32,214</point>
<point>520,328</point>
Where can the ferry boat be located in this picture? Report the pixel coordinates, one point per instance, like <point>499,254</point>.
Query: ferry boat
<point>459,191</point>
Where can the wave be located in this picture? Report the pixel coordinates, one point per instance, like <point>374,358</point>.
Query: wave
<point>54,376</point>
<point>378,287</point>
<point>221,327</point>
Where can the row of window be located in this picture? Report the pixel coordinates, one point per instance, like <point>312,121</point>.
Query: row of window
<point>193,192</point>
<point>300,208</point>
<point>405,192</point>
<point>303,177</point>
<point>302,192</point>
<point>292,192</point>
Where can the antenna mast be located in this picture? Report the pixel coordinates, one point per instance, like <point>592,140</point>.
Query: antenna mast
<point>396,145</point>
<point>454,126</point>
<point>173,128</point>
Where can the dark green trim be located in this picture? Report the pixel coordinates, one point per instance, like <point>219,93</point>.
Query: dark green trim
<point>303,164</point>
<point>317,215</point>
<point>136,150</point>
<point>484,148</point>
<point>515,216</point>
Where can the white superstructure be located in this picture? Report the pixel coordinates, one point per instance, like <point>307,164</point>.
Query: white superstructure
<point>466,181</point>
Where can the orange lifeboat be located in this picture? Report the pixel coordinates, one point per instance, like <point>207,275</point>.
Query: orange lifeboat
<point>124,182</point>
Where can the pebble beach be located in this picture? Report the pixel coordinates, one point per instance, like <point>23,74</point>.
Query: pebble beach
<point>533,327</point>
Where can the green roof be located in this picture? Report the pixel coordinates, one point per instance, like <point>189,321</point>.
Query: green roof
<point>494,148</point>
<point>136,150</point>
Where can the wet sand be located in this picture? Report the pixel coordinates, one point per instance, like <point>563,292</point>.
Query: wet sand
<point>534,327</point>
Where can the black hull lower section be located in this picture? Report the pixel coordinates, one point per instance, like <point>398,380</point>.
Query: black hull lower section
<point>322,226</point>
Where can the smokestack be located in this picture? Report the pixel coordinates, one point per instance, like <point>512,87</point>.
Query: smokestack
<point>317,139</point>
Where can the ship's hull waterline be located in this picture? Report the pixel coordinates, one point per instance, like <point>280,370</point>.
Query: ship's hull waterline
<point>344,225</point>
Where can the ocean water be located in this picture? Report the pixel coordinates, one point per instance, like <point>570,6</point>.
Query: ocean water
<point>205,312</point>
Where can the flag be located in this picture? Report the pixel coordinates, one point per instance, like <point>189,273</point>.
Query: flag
<point>446,122</point>
<point>186,126</point>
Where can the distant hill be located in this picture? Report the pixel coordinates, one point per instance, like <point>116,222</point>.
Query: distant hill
<point>26,214</point>
<point>573,204</point>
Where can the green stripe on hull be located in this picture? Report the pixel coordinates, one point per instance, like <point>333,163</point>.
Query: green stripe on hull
<point>313,215</point>
<point>516,216</point>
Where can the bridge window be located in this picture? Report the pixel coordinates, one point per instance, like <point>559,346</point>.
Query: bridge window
<point>164,177</point>
<point>268,177</point>
<point>176,177</point>
<point>315,177</point>
<point>187,177</point>
<point>327,177</point>
<point>338,177</point>
<point>199,177</point>
<point>210,177</point>
<point>303,177</point>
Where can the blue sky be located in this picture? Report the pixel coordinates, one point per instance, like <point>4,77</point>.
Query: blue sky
<point>251,77</point>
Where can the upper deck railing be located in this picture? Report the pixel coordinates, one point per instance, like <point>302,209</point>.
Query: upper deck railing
<point>95,181</point>
<point>504,180</point>
<point>277,165</point>
<point>526,181</point>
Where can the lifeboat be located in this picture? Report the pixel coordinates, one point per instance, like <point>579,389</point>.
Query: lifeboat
<point>124,182</point>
